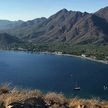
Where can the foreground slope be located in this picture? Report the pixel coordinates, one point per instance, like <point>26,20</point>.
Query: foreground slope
<point>14,98</point>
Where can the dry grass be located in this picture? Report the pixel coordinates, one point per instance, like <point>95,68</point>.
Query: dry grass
<point>4,88</point>
<point>87,103</point>
<point>104,104</point>
<point>53,100</point>
<point>75,102</point>
<point>19,96</point>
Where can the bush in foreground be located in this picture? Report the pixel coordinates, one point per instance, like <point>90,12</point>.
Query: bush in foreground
<point>55,100</point>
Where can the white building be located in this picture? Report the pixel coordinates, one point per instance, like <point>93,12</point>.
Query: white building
<point>83,55</point>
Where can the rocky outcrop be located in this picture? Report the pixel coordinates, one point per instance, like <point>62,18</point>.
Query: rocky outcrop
<point>29,103</point>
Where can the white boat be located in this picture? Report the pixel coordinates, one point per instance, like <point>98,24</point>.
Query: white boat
<point>105,87</point>
<point>77,87</point>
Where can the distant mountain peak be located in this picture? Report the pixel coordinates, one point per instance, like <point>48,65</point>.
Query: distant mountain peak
<point>103,13</point>
<point>105,8</point>
<point>73,27</point>
<point>63,10</point>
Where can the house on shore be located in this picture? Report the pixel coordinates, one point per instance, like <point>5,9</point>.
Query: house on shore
<point>83,55</point>
<point>58,53</point>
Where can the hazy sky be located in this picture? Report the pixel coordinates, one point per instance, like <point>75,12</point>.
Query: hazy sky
<point>30,9</point>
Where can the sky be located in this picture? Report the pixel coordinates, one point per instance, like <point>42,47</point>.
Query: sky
<point>31,9</point>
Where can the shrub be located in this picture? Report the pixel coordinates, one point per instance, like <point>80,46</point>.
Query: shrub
<point>4,88</point>
<point>54,98</point>
<point>21,96</point>
<point>75,102</point>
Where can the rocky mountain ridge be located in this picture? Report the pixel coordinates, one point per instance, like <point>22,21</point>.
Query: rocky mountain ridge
<point>72,27</point>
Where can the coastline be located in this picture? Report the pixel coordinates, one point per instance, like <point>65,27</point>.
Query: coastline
<point>70,55</point>
<point>87,58</point>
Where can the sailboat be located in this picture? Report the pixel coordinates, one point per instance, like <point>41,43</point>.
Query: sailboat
<point>105,87</point>
<point>77,87</point>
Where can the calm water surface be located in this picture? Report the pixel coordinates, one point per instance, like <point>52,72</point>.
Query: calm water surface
<point>54,73</point>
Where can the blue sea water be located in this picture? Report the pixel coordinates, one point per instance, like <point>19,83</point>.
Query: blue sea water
<point>54,73</point>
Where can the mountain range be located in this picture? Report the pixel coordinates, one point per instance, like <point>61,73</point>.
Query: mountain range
<point>72,27</point>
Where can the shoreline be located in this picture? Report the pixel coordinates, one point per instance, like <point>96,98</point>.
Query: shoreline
<point>68,55</point>
<point>86,58</point>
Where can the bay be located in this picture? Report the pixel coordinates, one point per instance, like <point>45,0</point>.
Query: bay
<point>56,73</point>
